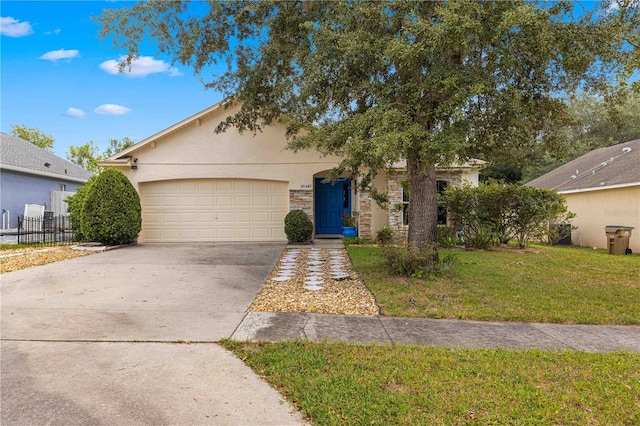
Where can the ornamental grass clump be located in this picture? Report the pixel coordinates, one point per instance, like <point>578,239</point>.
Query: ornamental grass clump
<point>111,211</point>
<point>298,227</point>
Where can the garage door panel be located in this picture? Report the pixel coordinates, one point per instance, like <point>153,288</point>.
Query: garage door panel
<point>188,201</point>
<point>242,185</point>
<point>223,184</point>
<point>206,217</point>
<point>243,234</point>
<point>244,217</point>
<point>206,201</point>
<point>213,210</point>
<point>223,201</point>
<point>261,217</point>
<point>261,200</point>
<point>242,200</point>
<point>169,217</point>
<point>206,184</point>
<point>262,233</point>
<point>151,201</point>
<point>189,217</point>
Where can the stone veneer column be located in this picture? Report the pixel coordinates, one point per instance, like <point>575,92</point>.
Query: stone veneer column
<point>301,199</point>
<point>394,188</point>
<point>364,220</point>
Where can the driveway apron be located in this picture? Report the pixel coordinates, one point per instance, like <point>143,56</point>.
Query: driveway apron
<point>127,337</point>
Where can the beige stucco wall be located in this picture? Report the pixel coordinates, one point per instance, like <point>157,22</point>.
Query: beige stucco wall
<point>471,175</point>
<point>379,216</point>
<point>597,209</point>
<point>196,151</point>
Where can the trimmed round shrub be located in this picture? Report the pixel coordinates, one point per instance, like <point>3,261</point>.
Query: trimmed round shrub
<point>298,227</point>
<point>111,212</point>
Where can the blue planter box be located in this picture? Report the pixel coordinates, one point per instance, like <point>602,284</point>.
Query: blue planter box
<point>349,232</point>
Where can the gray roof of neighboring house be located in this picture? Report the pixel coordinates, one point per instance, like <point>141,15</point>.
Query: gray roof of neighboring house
<point>614,166</point>
<point>20,155</point>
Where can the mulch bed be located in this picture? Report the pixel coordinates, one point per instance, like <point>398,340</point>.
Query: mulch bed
<point>22,258</point>
<point>346,295</point>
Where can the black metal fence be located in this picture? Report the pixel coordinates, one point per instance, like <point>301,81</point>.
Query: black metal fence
<point>47,229</point>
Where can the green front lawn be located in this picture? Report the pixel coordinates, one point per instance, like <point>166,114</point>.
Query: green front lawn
<point>343,384</point>
<point>542,284</point>
<point>347,384</point>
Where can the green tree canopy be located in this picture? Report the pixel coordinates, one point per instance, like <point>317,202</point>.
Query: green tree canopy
<point>87,155</point>
<point>84,156</point>
<point>429,82</point>
<point>596,123</point>
<point>33,135</point>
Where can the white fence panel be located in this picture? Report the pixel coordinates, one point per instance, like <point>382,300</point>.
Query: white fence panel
<point>58,204</point>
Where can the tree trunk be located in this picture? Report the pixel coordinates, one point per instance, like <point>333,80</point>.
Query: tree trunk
<point>423,204</point>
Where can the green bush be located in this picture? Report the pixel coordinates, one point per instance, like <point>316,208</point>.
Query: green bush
<point>111,212</point>
<point>416,262</point>
<point>298,227</point>
<point>74,205</point>
<point>496,213</point>
<point>447,237</point>
<point>385,235</point>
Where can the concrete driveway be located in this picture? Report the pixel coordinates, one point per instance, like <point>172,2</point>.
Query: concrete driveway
<point>127,337</point>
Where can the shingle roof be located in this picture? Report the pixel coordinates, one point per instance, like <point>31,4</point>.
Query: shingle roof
<point>22,155</point>
<point>599,169</point>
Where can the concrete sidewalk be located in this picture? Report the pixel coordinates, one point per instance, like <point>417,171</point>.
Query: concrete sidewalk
<point>267,326</point>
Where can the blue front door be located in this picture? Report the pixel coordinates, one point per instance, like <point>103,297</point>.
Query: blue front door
<point>331,201</point>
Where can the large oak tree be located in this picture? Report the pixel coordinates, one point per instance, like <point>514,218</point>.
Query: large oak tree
<point>376,82</point>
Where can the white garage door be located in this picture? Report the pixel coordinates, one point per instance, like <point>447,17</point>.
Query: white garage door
<point>199,210</point>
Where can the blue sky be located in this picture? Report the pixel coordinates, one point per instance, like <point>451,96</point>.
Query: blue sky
<point>58,76</point>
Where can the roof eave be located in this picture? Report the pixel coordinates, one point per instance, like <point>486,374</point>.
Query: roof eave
<point>165,132</point>
<point>40,173</point>
<point>119,162</point>
<point>599,188</point>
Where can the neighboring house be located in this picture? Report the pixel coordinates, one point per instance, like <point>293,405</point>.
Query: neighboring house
<point>32,175</point>
<point>602,188</point>
<point>198,185</point>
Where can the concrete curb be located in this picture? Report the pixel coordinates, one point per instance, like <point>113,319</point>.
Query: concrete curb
<point>270,326</point>
<point>99,247</point>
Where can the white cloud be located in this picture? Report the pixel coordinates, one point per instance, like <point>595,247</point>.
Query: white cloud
<point>13,28</point>
<point>74,112</point>
<point>56,55</point>
<point>142,67</point>
<point>111,109</point>
<point>56,31</point>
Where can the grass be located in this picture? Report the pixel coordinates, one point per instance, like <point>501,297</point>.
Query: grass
<point>15,246</point>
<point>350,384</point>
<point>564,285</point>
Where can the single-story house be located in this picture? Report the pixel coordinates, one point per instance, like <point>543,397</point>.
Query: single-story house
<point>196,185</point>
<point>603,188</point>
<point>32,175</point>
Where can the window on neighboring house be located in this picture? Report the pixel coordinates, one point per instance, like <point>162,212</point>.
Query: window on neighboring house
<point>62,187</point>
<point>442,211</point>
